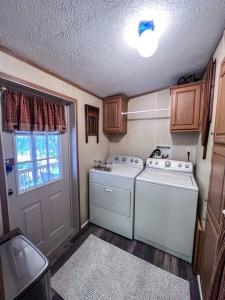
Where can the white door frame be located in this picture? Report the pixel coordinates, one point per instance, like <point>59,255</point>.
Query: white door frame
<point>73,159</point>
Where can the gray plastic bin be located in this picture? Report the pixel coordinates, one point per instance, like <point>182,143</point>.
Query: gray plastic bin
<point>25,270</point>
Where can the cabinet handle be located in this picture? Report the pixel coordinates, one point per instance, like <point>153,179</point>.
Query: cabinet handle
<point>108,190</point>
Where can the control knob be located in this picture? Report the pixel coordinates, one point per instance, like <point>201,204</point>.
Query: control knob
<point>167,163</point>
<point>136,161</point>
<point>124,159</point>
<point>186,166</point>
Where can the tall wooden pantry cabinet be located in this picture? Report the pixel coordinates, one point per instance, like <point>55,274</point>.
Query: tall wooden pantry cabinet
<point>216,198</point>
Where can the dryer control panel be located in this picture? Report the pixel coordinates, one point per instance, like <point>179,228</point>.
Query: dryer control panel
<point>174,165</point>
<point>131,161</point>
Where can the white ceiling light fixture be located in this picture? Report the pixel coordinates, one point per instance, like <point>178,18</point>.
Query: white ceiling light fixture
<point>148,39</point>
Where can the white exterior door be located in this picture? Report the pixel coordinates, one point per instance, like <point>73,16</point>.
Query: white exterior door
<point>39,203</point>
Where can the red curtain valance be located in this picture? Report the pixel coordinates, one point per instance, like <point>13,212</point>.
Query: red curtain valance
<point>25,112</point>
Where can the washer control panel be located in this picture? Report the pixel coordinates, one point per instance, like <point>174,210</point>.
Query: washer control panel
<point>130,161</point>
<point>174,165</point>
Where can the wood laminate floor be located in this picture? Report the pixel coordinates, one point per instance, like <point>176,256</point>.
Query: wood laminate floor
<point>154,256</point>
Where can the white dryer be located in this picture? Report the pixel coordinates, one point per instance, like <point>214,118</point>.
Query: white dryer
<point>165,206</point>
<point>111,194</point>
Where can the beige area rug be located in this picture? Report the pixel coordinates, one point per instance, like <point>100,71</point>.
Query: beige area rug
<point>101,271</point>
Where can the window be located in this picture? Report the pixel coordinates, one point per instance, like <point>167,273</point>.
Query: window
<point>38,159</point>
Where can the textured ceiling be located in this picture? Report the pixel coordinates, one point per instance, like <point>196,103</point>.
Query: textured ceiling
<point>83,40</point>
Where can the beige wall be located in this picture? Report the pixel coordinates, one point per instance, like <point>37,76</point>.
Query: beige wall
<point>203,168</point>
<point>146,130</point>
<point>87,152</point>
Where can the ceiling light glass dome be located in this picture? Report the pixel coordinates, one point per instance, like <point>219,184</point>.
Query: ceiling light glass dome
<point>148,39</point>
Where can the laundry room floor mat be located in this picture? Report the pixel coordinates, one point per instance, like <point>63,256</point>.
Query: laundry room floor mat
<point>101,271</point>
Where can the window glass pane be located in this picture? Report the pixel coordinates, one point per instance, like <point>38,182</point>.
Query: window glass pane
<point>54,171</point>
<point>54,160</point>
<point>25,166</point>
<point>42,162</point>
<point>53,145</point>
<point>42,175</point>
<point>38,159</point>
<point>23,147</point>
<point>26,180</point>
<point>40,144</point>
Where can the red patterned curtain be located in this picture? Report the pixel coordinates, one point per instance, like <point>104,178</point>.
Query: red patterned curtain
<point>25,112</point>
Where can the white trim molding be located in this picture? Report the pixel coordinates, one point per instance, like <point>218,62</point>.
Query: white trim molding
<point>199,287</point>
<point>84,224</point>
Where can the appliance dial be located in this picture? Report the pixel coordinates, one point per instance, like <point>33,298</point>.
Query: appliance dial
<point>150,162</point>
<point>131,160</point>
<point>179,165</point>
<point>186,166</point>
<point>156,163</point>
<point>124,159</point>
<point>136,161</point>
<point>167,163</point>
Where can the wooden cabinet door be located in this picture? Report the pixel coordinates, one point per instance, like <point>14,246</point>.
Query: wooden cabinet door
<point>186,107</point>
<point>216,204</point>
<point>219,136</point>
<point>217,185</point>
<point>113,120</point>
<point>112,109</point>
<point>209,249</point>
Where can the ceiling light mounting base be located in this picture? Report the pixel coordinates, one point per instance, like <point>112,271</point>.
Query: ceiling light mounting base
<point>145,25</point>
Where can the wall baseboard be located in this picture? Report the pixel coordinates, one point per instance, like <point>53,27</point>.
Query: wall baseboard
<point>199,286</point>
<point>84,224</point>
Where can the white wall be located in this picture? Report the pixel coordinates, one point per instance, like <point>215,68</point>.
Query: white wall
<point>146,130</point>
<point>203,168</point>
<point>87,152</point>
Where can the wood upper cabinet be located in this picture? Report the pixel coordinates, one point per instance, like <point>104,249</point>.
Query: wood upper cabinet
<point>113,120</point>
<point>219,135</point>
<point>186,107</point>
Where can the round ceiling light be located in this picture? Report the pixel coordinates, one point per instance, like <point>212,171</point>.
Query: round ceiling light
<point>148,39</point>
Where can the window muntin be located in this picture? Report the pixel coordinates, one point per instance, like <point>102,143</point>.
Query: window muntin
<point>38,159</point>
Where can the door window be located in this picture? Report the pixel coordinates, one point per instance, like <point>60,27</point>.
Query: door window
<point>38,159</point>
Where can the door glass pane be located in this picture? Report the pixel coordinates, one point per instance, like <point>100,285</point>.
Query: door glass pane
<point>42,162</point>
<point>53,145</point>
<point>42,175</point>
<point>26,180</point>
<point>25,166</point>
<point>54,171</point>
<point>23,148</point>
<point>54,160</point>
<point>40,144</point>
<point>38,159</point>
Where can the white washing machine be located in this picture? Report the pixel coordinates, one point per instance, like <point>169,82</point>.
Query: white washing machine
<point>111,194</point>
<point>166,198</point>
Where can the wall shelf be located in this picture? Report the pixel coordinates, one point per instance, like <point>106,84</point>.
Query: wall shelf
<point>145,111</point>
